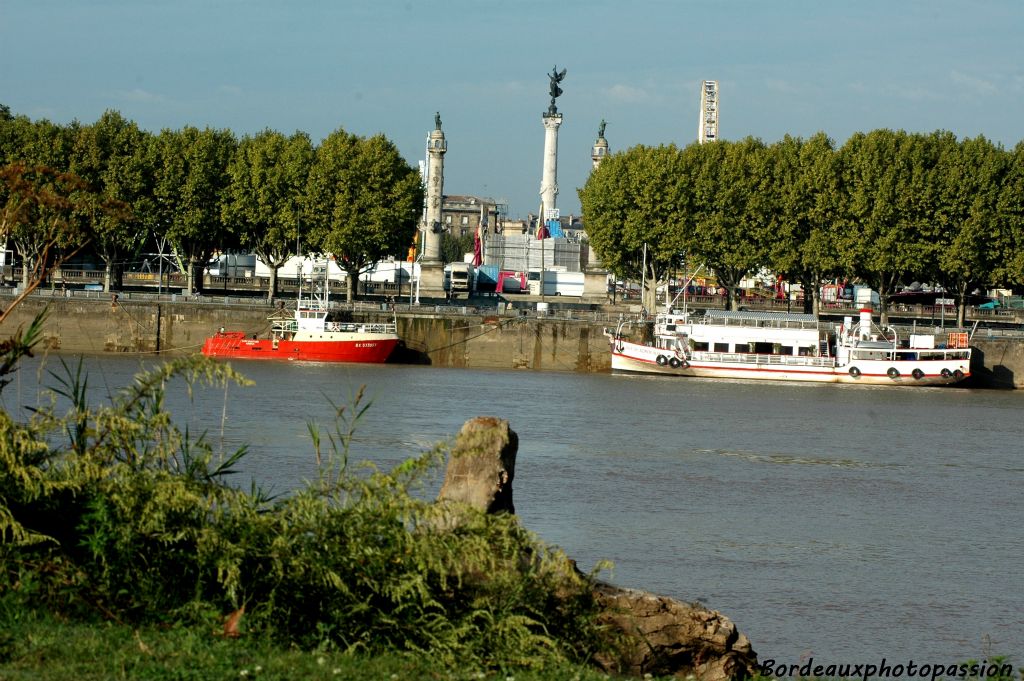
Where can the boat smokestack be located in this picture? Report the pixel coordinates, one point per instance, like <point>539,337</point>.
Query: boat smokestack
<point>865,323</point>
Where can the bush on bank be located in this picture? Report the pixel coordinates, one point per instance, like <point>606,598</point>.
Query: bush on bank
<point>110,513</point>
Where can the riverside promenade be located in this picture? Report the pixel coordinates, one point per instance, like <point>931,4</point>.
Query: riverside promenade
<point>486,332</point>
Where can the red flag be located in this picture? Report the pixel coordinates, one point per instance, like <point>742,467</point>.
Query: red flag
<point>478,248</point>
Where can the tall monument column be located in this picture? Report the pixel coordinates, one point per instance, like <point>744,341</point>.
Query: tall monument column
<point>595,277</point>
<point>431,267</point>
<point>551,119</point>
<point>549,178</point>
<point>436,148</point>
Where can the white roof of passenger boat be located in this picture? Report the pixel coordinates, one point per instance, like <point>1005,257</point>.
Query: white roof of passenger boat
<point>760,316</point>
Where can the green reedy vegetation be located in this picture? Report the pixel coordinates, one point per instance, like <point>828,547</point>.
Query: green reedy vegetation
<point>111,516</point>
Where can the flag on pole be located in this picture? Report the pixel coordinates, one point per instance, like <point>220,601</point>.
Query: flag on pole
<point>478,248</point>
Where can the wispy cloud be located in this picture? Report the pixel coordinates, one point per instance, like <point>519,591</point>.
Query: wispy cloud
<point>895,90</point>
<point>139,95</point>
<point>979,85</point>
<point>917,94</point>
<point>627,93</point>
<point>233,90</point>
<point>783,86</point>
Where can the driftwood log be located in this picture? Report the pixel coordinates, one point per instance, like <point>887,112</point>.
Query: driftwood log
<point>659,635</point>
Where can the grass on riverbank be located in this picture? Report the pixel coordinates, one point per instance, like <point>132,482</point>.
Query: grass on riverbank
<point>36,647</point>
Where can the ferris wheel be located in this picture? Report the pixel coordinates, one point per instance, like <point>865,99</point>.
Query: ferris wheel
<point>707,130</point>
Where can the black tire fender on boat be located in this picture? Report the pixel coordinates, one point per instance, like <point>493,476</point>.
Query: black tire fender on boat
<point>855,372</point>
<point>917,374</point>
<point>893,372</point>
<point>958,375</point>
<point>674,362</point>
<point>946,373</point>
<point>684,364</point>
<point>662,360</point>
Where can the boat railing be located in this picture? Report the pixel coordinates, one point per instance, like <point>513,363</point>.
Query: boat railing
<point>764,323</point>
<point>290,325</point>
<point>912,354</point>
<point>755,358</point>
<point>382,327</point>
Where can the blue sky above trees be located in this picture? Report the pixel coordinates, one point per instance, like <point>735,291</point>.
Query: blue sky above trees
<point>793,67</point>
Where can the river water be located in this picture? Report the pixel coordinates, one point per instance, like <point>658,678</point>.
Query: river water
<point>844,523</point>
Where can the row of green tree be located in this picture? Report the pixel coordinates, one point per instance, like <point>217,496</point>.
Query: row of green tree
<point>887,207</point>
<point>196,192</point>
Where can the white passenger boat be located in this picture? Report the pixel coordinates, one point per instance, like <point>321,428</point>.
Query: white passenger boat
<point>790,347</point>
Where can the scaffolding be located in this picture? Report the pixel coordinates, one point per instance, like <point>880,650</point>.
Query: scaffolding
<point>524,252</point>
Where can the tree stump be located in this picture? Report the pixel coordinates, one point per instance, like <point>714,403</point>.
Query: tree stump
<point>482,466</point>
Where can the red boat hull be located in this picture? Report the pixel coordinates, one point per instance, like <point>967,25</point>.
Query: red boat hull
<point>234,345</point>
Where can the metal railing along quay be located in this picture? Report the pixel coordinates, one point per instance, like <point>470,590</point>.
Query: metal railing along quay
<point>919,319</point>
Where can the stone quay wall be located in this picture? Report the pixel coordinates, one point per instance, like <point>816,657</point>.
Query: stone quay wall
<point>445,340</point>
<point>538,343</point>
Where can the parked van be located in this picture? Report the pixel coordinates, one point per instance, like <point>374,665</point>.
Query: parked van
<point>458,278</point>
<point>556,283</point>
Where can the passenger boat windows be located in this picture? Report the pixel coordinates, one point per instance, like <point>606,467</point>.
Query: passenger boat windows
<point>721,347</point>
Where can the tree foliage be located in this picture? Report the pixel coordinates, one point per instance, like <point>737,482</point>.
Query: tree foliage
<point>970,241</point>
<point>734,208</point>
<point>638,214</point>
<point>268,176</point>
<point>454,247</point>
<point>363,202</point>
<point>1010,221</point>
<point>887,208</point>
<point>114,158</point>
<point>806,186</point>
<point>43,215</point>
<point>190,188</point>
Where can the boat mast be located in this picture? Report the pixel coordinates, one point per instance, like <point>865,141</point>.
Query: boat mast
<point>643,281</point>
<point>327,280</point>
<point>685,286</point>
<point>298,265</point>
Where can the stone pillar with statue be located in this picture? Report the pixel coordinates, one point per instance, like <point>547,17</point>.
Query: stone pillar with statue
<point>431,266</point>
<point>595,277</point>
<point>551,119</point>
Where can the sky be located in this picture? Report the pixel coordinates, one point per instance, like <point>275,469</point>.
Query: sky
<point>792,67</point>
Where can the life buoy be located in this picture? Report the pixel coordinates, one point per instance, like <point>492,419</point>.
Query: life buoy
<point>917,374</point>
<point>674,362</point>
<point>958,375</point>
<point>946,373</point>
<point>662,360</point>
<point>855,372</point>
<point>893,372</point>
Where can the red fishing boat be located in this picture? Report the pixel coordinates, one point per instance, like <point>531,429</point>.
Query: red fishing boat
<point>314,333</point>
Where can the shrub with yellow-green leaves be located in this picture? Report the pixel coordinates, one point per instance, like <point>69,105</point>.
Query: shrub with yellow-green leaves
<point>113,512</point>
